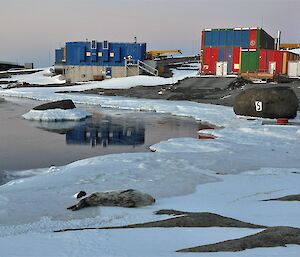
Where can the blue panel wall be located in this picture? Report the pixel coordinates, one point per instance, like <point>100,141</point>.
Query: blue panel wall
<point>229,37</point>
<point>221,56</point>
<point>214,38</point>
<point>237,38</point>
<point>245,38</point>
<point>80,53</point>
<point>229,59</point>
<point>207,38</point>
<point>59,55</point>
<point>222,37</point>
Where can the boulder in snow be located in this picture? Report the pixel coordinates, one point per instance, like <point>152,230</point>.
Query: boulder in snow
<point>63,104</point>
<point>267,102</point>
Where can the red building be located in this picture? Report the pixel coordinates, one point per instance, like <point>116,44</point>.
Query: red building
<point>242,51</point>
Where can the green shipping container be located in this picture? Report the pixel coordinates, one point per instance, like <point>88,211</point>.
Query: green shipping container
<point>249,61</point>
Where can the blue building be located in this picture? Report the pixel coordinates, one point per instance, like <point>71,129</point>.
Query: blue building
<point>93,60</point>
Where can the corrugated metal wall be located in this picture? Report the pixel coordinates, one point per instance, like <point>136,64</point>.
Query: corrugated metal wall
<point>81,53</point>
<point>240,48</point>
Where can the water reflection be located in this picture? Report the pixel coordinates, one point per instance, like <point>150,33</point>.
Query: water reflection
<point>106,133</point>
<point>99,130</point>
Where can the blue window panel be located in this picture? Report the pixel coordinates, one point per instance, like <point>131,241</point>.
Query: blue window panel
<point>221,56</point>
<point>229,59</point>
<point>222,37</point>
<point>117,52</point>
<point>105,55</point>
<point>229,37</point>
<point>215,38</point>
<point>207,38</point>
<point>245,39</point>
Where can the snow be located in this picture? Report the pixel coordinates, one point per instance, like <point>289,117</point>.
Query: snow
<point>46,77</point>
<point>296,51</point>
<point>43,77</point>
<point>230,175</point>
<point>56,115</point>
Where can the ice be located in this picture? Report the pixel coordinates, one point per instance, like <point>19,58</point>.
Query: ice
<point>230,175</point>
<point>56,115</point>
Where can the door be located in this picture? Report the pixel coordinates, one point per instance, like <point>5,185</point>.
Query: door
<point>292,69</point>
<point>221,68</point>
<point>108,73</point>
<point>272,67</point>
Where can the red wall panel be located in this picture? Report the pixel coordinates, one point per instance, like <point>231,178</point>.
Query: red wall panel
<point>252,39</point>
<point>236,59</point>
<point>210,58</point>
<point>263,63</point>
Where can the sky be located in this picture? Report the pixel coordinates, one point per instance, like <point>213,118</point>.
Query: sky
<point>32,29</point>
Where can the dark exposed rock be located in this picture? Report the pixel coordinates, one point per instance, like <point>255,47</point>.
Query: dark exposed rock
<point>185,219</point>
<point>271,237</point>
<point>122,198</point>
<point>194,219</point>
<point>285,198</point>
<point>267,102</point>
<point>63,104</point>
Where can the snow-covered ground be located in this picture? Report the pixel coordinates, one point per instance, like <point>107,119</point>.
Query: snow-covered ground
<point>46,77</point>
<point>246,163</point>
<point>43,77</point>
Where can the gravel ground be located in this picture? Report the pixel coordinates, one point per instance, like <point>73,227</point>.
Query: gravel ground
<point>221,91</point>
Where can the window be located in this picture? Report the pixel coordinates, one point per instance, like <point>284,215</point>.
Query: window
<point>105,44</point>
<point>112,54</point>
<point>88,54</point>
<point>94,44</point>
<point>100,54</point>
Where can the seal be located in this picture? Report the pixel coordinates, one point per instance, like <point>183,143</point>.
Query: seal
<point>129,198</point>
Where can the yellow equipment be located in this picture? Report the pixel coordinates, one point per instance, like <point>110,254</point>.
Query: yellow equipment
<point>289,46</point>
<point>157,53</point>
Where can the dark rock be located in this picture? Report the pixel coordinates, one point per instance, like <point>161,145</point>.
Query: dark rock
<point>183,219</point>
<point>267,102</point>
<point>194,219</point>
<point>121,198</point>
<point>63,104</point>
<point>271,237</point>
<point>286,198</point>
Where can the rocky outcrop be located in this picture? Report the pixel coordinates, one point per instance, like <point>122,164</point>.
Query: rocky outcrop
<point>271,237</point>
<point>184,219</point>
<point>121,198</point>
<point>63,104</point>
<point>285,198</point>
<point>267,102</point>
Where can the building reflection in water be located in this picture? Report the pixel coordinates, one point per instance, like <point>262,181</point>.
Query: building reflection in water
<point>99,132</point>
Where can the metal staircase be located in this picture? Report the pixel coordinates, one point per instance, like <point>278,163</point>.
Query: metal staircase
<point>147,68</point>
<point>141,66</point>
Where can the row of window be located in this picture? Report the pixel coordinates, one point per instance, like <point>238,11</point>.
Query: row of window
<point>100,54</point>
<point>94,44</point>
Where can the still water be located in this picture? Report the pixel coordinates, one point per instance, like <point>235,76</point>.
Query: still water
<point>28,145</point>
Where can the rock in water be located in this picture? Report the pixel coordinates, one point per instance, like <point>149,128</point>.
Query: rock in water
<point>121,198</point>
<point>267,102</point>
<point>63,104</point>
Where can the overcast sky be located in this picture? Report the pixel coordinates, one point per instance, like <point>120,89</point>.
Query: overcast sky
<point>32,29</point>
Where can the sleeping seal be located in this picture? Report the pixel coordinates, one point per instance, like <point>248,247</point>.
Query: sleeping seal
<point>123,198</point>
